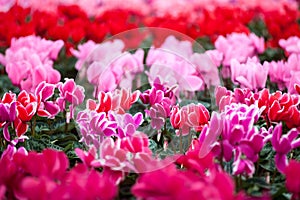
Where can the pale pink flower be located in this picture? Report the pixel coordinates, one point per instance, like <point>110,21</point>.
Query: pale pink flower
<point>250,75</point>
<point>83,52</point>
<point>239,46</point>
<point>281,72</point>
<point>291,45</point>
<point>295,80</point>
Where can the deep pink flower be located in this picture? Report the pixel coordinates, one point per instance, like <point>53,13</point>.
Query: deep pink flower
<point>178,184</point>
<point>283,145</point>
<point>293,178</point>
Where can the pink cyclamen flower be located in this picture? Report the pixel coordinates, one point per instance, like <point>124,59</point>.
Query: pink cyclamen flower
<point>127,124</point>
<point>123,99</point>
<point>188,117</point>
<point>291,45</point>
<point>158,115</point>
<point>94,127</point>
<point>28,61</point>
<point>293,178</point>
<point>294,84</point>
<point>283,145</point>
<point>126,154</point>
<point>46,107</point>
<point>280,72</point>
<point>239,46</point>
<point>250,75</point>
<point>70,93</point>
<point>84,50</point>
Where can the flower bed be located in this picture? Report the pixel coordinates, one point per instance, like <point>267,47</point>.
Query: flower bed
<point>111,101</point>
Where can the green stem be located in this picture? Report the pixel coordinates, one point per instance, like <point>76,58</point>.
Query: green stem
<point>180,142</point>
<point>33,125</point>
<point>66,124</point>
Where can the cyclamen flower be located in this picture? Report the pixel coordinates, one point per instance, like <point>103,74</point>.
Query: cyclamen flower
<point>291,45</point>
<point>28,62</point>
<point>84,50</point>
<point>283,145</point>
<point>239,46</point>
<point>178,184</point>
<point>123,99</point>
<point>70,93</point>
<point>294,86</point>
<point>158,115</point>
<point>118,101</point>
<point>281,72</point>
<point>46,107</point>
<point>283,107</point>
<point>293,179</point>
<point>226,97</point>
<point>250,75</point>
<point>127,124</point>
<point>126,154</point>
<point>7,113</point>
<point>240,139</point>
<point>94,127</point>
<point>175,63</point>
<point>107,66</point>
<point>189,116</point>
<point>47,174</point>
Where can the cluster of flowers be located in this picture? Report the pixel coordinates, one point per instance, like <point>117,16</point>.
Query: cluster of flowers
<point>113,125</point>
<point>107,66</point>
<point>18,110</point>
<point>73,25</point>
<point>45,175</point>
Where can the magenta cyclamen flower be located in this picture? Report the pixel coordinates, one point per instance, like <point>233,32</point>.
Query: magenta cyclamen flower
<point>240,138</point>
<point>283,145</point>
<point>250,75</point>
<point>28,61</point>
